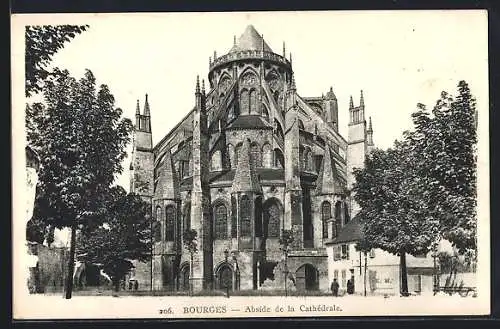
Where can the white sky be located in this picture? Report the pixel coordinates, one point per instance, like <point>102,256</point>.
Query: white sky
<point>398,58</point>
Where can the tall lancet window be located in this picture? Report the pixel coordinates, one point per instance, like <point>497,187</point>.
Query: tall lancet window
<point>326,214</point>
<point>267,156</point>
<point>232,155</point>
<point>220,222</point>
<point>157,225</point>
<point>255,155</point>
<point>169,223</point>
<point>252,102</point>
<point>244,101</point>
<point>245,216</point>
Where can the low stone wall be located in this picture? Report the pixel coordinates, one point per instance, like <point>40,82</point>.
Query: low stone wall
<point>49,275</point>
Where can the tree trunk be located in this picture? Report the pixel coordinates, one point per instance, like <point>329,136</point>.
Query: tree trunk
<point>116,284</point>
<point>404,274</point>
<point>71,262</point>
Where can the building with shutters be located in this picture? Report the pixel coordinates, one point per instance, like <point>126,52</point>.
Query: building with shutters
<point>251,158</point>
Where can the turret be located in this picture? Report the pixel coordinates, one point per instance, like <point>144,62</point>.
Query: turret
<point>141,179</point>
<point>331,109</point>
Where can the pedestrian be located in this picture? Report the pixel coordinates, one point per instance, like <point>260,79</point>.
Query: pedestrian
<point>335,288</point>
<point>350,286</point>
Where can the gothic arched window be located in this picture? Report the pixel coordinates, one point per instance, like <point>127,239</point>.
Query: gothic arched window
<point>237,153</point>
<point>309,161</point>
<point>346,215</point>
<point>255,155</point>
<point>245,216</point>
<point>232,155</point>
<point>326,214</point>
<point>267,156</point>
<point>216,162</point>
<point>157,226</point>
<point>279,159</point>
<point>273,228</point>
<point>220,222</point>
<point>252,102</point>
<point>169,223</point>
<point>244,101</point>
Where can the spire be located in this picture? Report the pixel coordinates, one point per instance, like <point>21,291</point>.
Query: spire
<point>250,40</point>
<point>262,47</point>
<point>328,178</point>
<point>370,127</point>
<point>197,84</point>
<point>245,178</point>
<point>290,58</point>
<point>330,94</point>
<point>351,104</point>
<point>168,183</point>
<point>361,100</point>
<point>284,49</point>
<point>210,60</point>
<point>292,86</point>
<point>234,40</point>
<point>146,107</point>
<point>203,86</point>
<point>215,55</point>
<point>137,109</point>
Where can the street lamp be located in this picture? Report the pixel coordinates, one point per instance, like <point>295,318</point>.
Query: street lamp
<point>285,250</point>
<point>235,269</point>
<point>226,254</point>
<point>434,269</point>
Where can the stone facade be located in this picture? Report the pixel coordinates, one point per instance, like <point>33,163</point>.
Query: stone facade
<point>250,159</point>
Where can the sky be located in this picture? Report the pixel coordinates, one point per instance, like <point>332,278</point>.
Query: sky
<point>398,59</point>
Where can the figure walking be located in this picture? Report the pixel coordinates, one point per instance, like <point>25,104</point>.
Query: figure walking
<point>335,288</point>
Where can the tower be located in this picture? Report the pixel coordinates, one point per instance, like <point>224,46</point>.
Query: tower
<point>141,166</point>
<point>200,195</point>
<point>356,144</point>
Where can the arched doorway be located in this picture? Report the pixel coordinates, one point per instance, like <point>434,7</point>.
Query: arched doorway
<point>224,277</point>
<point>307,278</point>
<point>184,277</point>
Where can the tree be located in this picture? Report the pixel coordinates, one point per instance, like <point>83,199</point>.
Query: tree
<point>189,239</point>
<point>393,216</point>
<point>124,235</point>
<point>42,42</point>
<point>81,139</point>
<point>444,144</point>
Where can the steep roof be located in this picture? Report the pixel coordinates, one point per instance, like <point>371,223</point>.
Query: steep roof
<point>249,122</point>
<point>328,179</point>
<point>250,40</point>
<point>245,178</point>
<point>350,232</point>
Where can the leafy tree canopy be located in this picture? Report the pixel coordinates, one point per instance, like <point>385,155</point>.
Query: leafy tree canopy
<point>123,236</point>
<point>42,42</point>
<point>81,139</point>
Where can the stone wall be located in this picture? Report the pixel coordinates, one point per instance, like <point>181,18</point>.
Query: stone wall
<point>52,268</point>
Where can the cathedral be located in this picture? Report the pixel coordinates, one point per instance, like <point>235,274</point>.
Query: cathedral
<point>252,158</point>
